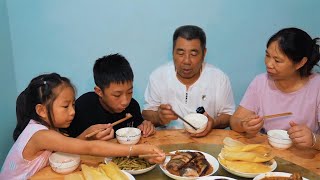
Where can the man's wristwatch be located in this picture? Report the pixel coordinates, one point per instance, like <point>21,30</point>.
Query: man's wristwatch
<point>200,110</point>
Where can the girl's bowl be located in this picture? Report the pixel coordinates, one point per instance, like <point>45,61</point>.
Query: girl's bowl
<point>64,163</point>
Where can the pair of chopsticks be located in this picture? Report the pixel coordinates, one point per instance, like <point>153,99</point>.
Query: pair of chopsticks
<point>272,116</point>
<point>128,116</point>
<point>184,120</point>
<point>154,155</point>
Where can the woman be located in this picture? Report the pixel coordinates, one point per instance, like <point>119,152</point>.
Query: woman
<point>289,85</point>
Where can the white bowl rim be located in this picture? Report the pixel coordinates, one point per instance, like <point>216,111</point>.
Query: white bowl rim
<point>280,143</point>
<point>139,134</point>
<point>269,133</point>
<point>74,160</point>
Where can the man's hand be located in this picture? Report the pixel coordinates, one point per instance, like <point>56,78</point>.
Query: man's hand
<point>147,128</point>
<point>166,114</point>
<point>208,128</point>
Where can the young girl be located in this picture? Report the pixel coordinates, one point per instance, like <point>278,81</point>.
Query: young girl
<point>46,105</point>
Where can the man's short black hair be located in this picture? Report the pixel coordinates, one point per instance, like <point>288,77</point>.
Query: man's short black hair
<point>113,68</point>
<point>190,32</point>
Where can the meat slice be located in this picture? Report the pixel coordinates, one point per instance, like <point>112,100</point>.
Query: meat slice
<point>196,167</point>
<point>178,161</point>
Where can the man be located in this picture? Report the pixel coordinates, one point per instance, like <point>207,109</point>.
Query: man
<point>188,83</point>
<point>110,101</point>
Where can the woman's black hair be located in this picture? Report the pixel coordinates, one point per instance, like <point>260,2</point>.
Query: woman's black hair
<point>39,91</point>
<point>297,44</point>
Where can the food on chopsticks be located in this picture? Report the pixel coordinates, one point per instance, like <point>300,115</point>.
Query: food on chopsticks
<point>246,158</point>
<point>189,164</point>
<point>131,163</point>
<point>108,171</point>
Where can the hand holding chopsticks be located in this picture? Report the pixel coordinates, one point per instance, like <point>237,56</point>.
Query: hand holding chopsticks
<point>128,116</point>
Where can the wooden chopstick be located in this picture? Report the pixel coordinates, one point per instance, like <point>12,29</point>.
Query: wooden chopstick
<point>272,116</point>
<point>128,116</point>
<point>154,155</point>
<point>184,120</point>
<point>277,115</point>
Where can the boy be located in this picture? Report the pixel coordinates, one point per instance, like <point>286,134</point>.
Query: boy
<point>110,101</point>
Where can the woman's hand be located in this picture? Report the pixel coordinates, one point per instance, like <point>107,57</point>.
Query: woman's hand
<point>106,133</point>
<point>147,128</point>
<point>252,124</point>
<point>300,135</point>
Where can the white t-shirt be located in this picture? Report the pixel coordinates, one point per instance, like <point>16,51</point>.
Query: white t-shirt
<point>212,91</point>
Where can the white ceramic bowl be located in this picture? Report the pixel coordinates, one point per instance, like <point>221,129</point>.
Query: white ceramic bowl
<point>279,139</point>
<point>199,121</point>
<point>128,135</point>
<point>64,163</point>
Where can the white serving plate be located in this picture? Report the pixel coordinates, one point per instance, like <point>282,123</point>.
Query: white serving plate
<point>215,178</point>
<point>273,166</point>
<point>129,175</point>
<point>212,160</point>
<point>272,174</point>
<point>133,172</point>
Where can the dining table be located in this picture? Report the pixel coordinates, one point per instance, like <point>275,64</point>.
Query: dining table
<point>305,161</point>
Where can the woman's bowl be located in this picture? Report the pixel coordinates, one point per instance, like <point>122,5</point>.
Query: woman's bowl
<point>128,135</point>
<point>279,139</point>
<point>64,163</point>
<point>199,121</point>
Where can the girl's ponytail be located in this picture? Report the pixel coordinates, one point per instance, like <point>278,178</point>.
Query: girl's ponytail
<point>22,114</point>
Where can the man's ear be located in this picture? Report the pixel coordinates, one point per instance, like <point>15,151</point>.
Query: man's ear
<point>98,91</point>
<point>41,110</point>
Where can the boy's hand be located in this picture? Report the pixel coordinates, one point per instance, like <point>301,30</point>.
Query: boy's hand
<point>106,133</point>
<point>147,128</point>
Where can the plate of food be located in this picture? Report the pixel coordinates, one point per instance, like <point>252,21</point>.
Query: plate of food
<point>279,175</point>
<point>247,169</point>
<point>132,165</point>
<point>189,165</point>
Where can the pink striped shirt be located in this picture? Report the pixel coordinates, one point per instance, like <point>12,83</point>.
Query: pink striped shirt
<point>15,166</point>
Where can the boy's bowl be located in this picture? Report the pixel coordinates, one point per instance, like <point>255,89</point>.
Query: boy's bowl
<point>64,163</point>
<point>128,135</point>
<point>199,121</point>
<point>279,139</point>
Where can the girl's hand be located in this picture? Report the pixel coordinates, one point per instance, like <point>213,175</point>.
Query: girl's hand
<point>151,149</point>
<point>147,128</point>
<point>252,124</point>
<point>106,133</point>
<point>300,135</point>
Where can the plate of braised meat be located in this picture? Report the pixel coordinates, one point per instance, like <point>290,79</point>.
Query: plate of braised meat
<point>189,164</point>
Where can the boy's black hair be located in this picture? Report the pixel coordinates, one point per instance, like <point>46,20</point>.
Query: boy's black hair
<point>39,91</point>
<point>113,68</point>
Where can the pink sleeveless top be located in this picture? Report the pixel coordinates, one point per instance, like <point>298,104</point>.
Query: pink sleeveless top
<point>15,166</point>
